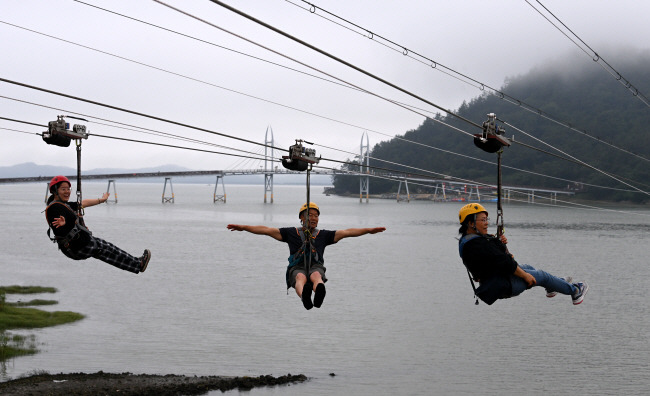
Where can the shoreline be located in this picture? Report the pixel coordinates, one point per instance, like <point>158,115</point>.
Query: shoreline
<point>83,384</point>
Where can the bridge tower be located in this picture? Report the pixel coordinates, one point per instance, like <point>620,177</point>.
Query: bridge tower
<point>166,198</point>
<point>108,190</point>
<point>219,197</point>
<point>399,188</point>
<point>268,173</point>
<point>364,168</point>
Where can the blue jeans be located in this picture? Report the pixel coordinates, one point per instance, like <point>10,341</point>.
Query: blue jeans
<point>544,279</point>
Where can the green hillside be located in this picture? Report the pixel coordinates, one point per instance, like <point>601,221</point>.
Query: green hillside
<point>587,97</point>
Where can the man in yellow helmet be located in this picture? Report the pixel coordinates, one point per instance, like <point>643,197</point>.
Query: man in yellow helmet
<point>306,246</point>
<point>500,276</point>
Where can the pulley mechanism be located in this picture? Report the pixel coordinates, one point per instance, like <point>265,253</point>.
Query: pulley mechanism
<point>59,134</point>
<point>492,139</point>
<point>300,158</point>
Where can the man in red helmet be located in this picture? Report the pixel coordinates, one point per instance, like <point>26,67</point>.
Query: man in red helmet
<point>306,243</point>
<point>500,276</point>
<point>75,240</point>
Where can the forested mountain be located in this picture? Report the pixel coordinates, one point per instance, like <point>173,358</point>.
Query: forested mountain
<point>585,96</point>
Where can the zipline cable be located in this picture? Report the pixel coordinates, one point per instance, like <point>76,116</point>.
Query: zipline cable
<point>258,157</point>
<point>85,115</point>
<point>202,81</point>
<point>186,36</point>
<point>177,74</point>
<point>595,57</point>
<point>434,64</point>
<point>505,166</point>
<point>577,160</point>
<point>569,205</point>
<point>133,128</point>
<point>530,146</point>
<point>133,112</point>
<point>344,83</point>
<point>466,79</point>
<point>247,16</point>
<point>319,51</point>
<point>513,190</point>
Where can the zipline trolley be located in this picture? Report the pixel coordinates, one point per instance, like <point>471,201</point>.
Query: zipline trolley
<point>59,134</point>
<point>300,158</point>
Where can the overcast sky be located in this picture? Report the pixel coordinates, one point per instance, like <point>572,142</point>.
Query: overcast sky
<point>210,87</point>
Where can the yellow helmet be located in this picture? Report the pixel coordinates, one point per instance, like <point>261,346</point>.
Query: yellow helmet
<point>470,209</point>
<point>311,206</point>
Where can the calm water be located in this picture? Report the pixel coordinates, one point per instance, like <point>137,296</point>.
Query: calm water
<point>399,317</point>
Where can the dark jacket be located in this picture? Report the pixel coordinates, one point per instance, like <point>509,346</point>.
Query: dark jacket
<point>68,211</point>
<point>487,260</point>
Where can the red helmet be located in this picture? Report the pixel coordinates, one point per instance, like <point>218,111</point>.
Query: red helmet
<point>56,180</point>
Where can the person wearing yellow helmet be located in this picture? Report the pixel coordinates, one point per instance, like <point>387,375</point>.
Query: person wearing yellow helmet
<point>75,240</point>
<point>490,263</point>
<point>306,247</point>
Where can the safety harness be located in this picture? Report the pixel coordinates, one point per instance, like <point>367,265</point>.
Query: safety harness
<point>461,243</point>
<point>300,256</point>
<point>74,233</point>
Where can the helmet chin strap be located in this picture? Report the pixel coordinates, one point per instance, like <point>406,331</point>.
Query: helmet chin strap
<point>474,226</point>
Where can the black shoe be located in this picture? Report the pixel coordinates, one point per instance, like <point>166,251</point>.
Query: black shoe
<point>306,296</point>
<point>319,296</point>
<point>144,260</point>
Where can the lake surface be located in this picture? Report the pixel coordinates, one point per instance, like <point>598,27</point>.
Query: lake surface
<point>399,316</point>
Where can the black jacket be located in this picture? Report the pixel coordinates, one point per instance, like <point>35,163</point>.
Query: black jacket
<point>68,211</point>
<point>487,260</point>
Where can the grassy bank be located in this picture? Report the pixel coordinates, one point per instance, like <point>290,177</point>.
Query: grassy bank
<point>18,315</point>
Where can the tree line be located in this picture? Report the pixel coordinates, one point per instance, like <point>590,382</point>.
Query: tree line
<point>587,98</point>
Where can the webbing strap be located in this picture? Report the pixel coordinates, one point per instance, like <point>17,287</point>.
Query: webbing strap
<point>461,243</point>
<point>80,209</point>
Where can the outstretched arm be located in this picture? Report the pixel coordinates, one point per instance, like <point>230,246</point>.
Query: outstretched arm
<point>355,232</point>
<point>259,230</point>
<point>95,201</point>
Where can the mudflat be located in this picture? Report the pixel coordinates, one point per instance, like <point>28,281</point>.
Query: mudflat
<point>101,383</point>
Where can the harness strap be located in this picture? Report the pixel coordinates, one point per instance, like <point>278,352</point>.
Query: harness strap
<point>461,243</point>
<point>80,209</point>
<point>300,255</point>
<point>72,234</point>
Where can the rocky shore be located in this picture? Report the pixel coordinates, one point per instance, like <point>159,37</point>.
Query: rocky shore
<point>101,383</point>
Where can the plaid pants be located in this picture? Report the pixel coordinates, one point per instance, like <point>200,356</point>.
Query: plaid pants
<point>106,252</point>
